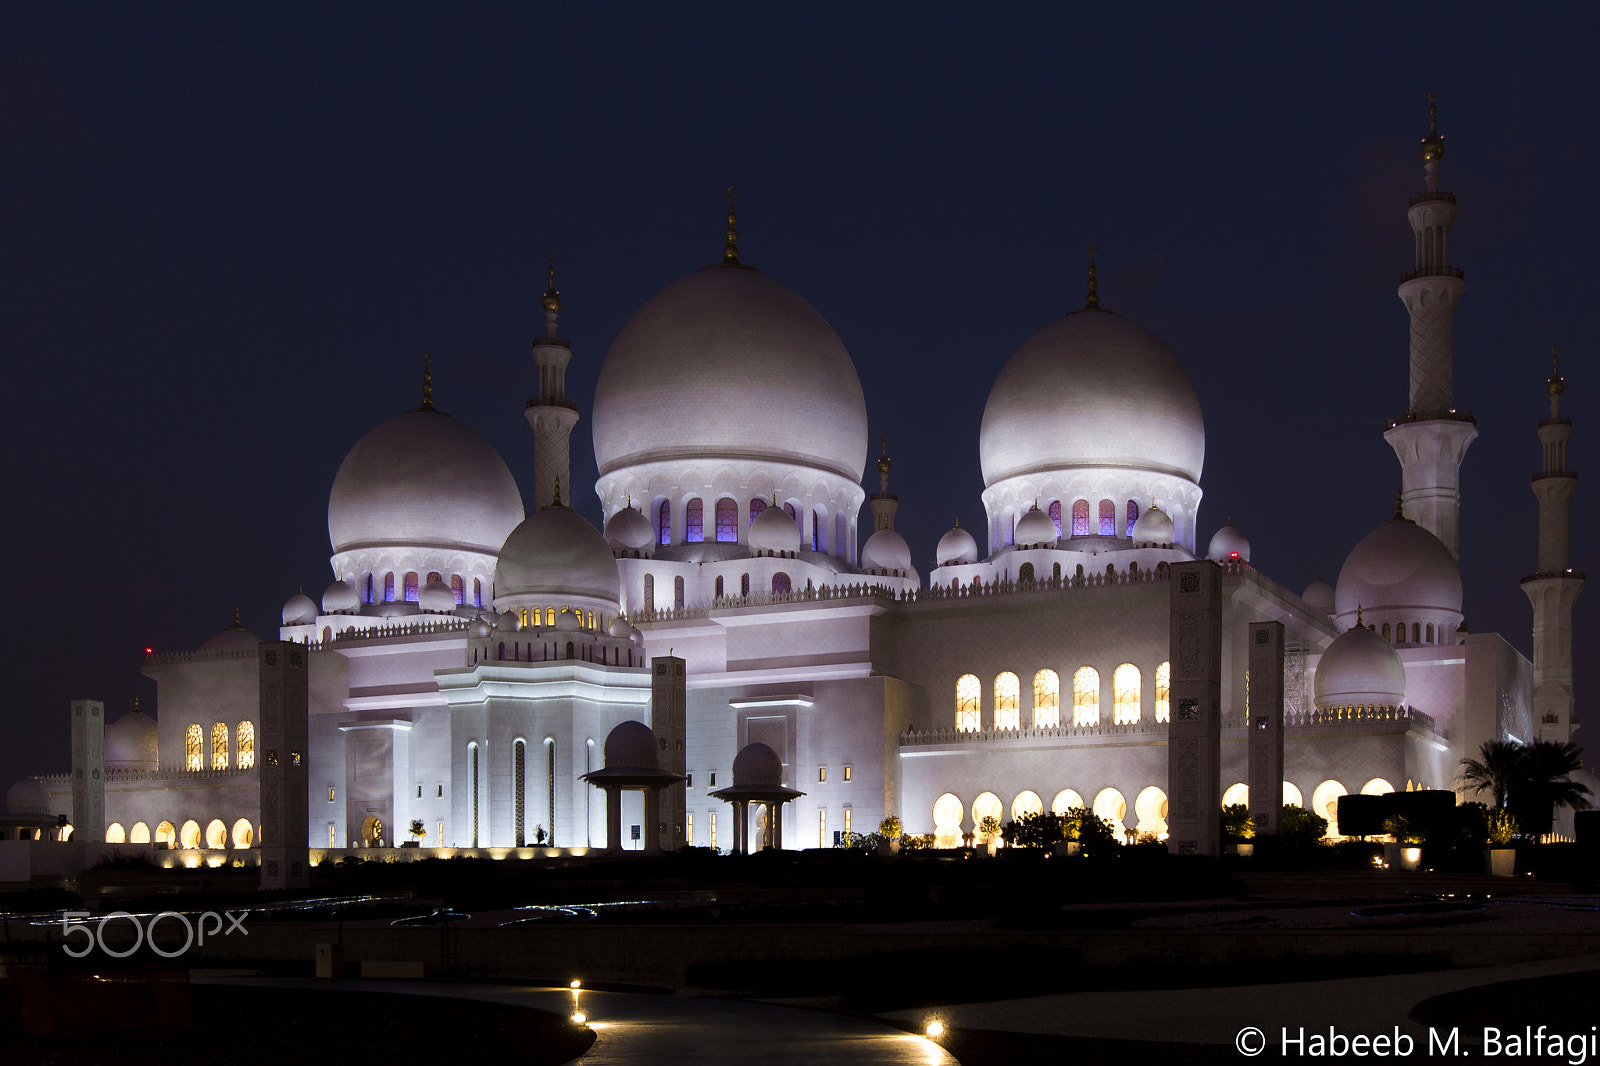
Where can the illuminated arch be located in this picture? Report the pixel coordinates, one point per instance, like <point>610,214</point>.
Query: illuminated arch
<point>189,835</point>
<point>1376,787</point>
<point>987,805</point>
<point>1027,802</point>
<point>1125,686</point>
<point>1292,796</point>
<point>1238,792</point>
<point>1066,800</point>
<point>167,834</point>
<point>947,812</point>
<point>968,692</point>
<point>1150,808</point>
<point>216,834</point>
<point>1086,696</point>
<point>1046,699</point>
<point>139,834</point>
<point>1110,805</point>
<point>243,833</point>
<point>115,834</point>
<point>1325,801</point>
<point>1007,693</point>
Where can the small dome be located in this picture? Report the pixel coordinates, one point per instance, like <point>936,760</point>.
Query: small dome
<point>27,797</point>
<point>886,550</point>
<point>619,627</point>
<point>773,530</point>
<point>568,621</point>
<point>1398,567</point>
<point>1319,596</point>
<point>632,746</point>
<point>1227,544</point>
<point>1036,527</point>
<point>131,743</point>
<point>437,598</point>
<point>508,622</point>
<point>235,638</point>
<point>636,635</point>
<point>757,766</point>
<point>1154,527</point>
<point>481,629</point>
<point>956,546</point>
<point>555,554</point>
<point>630,529</point>
<point>1360,668</point>
<point>299,610</point>
<point>340,597</point>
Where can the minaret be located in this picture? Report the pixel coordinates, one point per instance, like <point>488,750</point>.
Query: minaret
<point>884,502</point>
<point>1432,436</point>
<point>1554,587</point>
<point>552,416</point>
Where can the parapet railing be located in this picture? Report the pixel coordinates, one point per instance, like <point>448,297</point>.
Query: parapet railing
<point>1352,717</point>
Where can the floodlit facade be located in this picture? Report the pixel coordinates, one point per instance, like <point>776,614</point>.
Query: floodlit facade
<point>471,656</point>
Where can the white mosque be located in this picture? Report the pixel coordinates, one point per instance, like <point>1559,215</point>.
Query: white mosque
<point>471,656</point>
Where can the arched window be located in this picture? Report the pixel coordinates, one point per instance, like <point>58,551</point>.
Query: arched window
<point>1080,518</point>
<point>789,510</point>
<point>549,616</point>
<point>1164,692</point>
<point>189,835</point>
<point>947,813</point>
<point>139,834</point>
<point>194,739</point>
<point>115,834</point>
<point>1125,684</point>
<point>411,586</point>
<point>166,833</point>
<point>1429,633</point>
<point>718,593</point>
<point>780,582</point>
<point>649,591</point>
<point>1086,696</point>
<point>1007,693</point>
<point>247,745</point>
<point>216,834</point>
<point>243,833</point>
<point>458,588</point>
<point>968,693</point>
<point>1108,518</point>
<point>1386,635</point>
<point>477,592</point>
<point>757,505</point>
<point>1025,574</point>
<point>1416,632</point>
<point>1110,805</point>
<point>986,805</point>
<point>519,786</point>
<point>1151,808</point>
<point>1055,515</point>
<point>816,531</point>
<point>388,587</point>
<point>840,533</point>
<point>369,588</point>
<point>219,746</point>
<point>694,521</point>
<point>727,521</point>
<point>1046,699</point>
<point>664,522</point>
<point>1133,516</point>
<point>677,593</point>
<point>1066,800</point>
<point>744,584</point>
<point>434,575</point>
<point>1027,802</point>
<point>502,650</point>
<point>1325,801</point>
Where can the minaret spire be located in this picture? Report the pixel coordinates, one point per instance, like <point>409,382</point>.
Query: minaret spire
<point>1093,298</point>
<point>884,502</point>
<point>427,382</point>
<point>730,250</point>
<point>1432,437</point>
<point>551,415</point>
<point>1554,587</point>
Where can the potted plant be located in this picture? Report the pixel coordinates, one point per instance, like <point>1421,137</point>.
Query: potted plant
<point>417,833</point>
<point>989,830</point>
<point>1406,850</point>
<point>889,835</point>
<point>1238,830</point>
<point>1500,858</point>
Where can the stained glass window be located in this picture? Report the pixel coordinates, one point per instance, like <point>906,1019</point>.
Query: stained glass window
<point>219,746</point>
<point>1133,516</point>
<point>1108,518</point>
<point>664,522</point>
<point>1125,685</point>
<point>1007,693</point>
<point>1046,699</point>
<point>1080,518</point>
<point>1164,692</point>
<point>694,521</point>
<point>1055,515</point>
<point>247,745</point>
<point>727,521</point>
<point>193,755</point>
<point>1086,696</point>
<point>968,692</point>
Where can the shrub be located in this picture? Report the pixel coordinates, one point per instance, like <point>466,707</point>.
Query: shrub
<point>1237,824</point>
<point>1301,826</point>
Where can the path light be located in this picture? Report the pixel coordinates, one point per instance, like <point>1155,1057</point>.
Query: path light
<point>935,1029</point>
<point>575,985</point>
<point>578,1017</point>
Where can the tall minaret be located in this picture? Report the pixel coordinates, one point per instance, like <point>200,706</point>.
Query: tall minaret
<point>1554,587</point>
<point>552,416</point>
<point>884,502</point>
<point>1432,436</point>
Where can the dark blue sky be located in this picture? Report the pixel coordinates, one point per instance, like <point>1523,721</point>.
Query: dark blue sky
<point>231,235</point>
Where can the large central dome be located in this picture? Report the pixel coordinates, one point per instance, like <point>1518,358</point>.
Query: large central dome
<point>728,364</point>
<point>1092,390</point>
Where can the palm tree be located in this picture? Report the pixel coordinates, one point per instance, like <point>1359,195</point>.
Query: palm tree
<point>1544,782</point>
<point>1496,770</point>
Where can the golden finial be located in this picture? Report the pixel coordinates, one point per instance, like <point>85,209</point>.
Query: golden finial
<point>883,454</point>
<point>1358,617</point>
<point>1433,144</point>
<point>1094,284</point>
<point>136,705</point>
<point>427,382</point>
<point>958,521</point>
<point>557,501</point>
<point>552,297</point>
<point>1556,382</point>
<point>730,252</point>
<point>1399,502</point>
<point>236,623</point>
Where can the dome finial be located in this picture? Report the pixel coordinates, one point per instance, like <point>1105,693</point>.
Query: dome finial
<point>1399,503</point>
<point>1094,284</point>
<point>1433,144</point>
<point>883,454</point>
<point>730,251</point>
<point>552,295</point>
<point>236,623</point>
<point>427,382</point>
<point>1358,617</point>
<point>1556,383</point>
<point>557,501</point>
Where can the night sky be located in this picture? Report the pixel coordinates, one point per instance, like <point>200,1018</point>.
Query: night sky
<point>230,236</point>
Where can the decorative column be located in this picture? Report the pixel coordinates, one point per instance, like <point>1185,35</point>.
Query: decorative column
<point>88,771</point>
<point>551,415</point>
<point>1432,437</point>
<point>1265,717</point>
<point>1554,587</point>
<point>667,702</point>
<point>1194,736</point>
<point>283,743</point>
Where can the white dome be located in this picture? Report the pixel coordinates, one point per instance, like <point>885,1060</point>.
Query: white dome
<point>619,627</point>
<point>555,555</point>
<point>726,364</point>
<point>568,621</point>
<point>1228,542</point>
<point>773,530</point>
<point>437,598</point>
<point>956,546</point>
<point>299,609</point>
<point>1360,668</point>
<point>630,529</point>
<point>481,629</point>
<point>1154,526</point>
<point>1319,596</point>
<point>508,622</point>
<point>27,797</point>
<point>131,743</point>
<point>757,766</point>
<point>340,596</point>
<point>1398,567</point>
<point>422,479</point>
<point>631,746</point>
<point>886,550</point>
<point>234,638</point>
<point>1092,389</point>
<point>1036,527</point>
